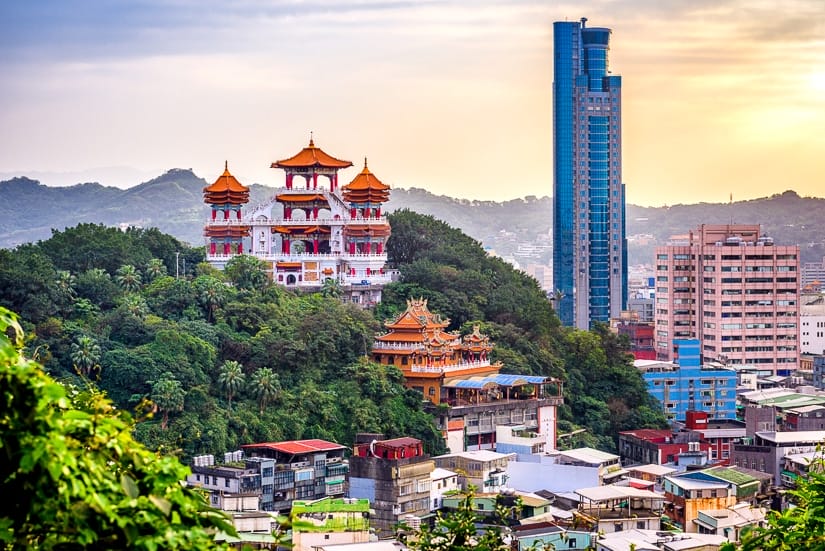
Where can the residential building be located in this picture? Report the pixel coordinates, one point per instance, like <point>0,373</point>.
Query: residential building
<point>298,469</point>
<point>813,273</point>
<point>819,372</point>
<point>329,521</point>
<point>589,241</point>
<point>548,535</point>
<point>466,392</point>
<point>394,475</point>
<point>519,439</point>
<point>609,465</point>
<point>686,496</point>
<point>656,540</point>
<point>485,504</point>
<point>442,481</point>
<point>720,434</point>
<point>729,522</point>
<point>616,508</point>
<point>639,333</point>
<point>735,291</point>
<point>306,234</point>
<point>485,470</point>
<point>799,465</point>
<point>658,446</point>
<point>766,451</point>
<point>812,321</point>
<point>688,384</point>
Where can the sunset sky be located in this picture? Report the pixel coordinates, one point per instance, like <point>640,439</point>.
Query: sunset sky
<point>720,97</point>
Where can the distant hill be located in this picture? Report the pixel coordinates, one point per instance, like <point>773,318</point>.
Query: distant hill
<point>173,202</point>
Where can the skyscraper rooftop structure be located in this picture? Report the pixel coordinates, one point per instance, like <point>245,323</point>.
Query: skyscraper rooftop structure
<point>589,244</point>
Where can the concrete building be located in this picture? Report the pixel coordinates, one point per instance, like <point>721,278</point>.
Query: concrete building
<point>486,470</point>
<point>589,241</point>
<point>609,465</point>
<point>813,273</point>
<point>614,508</point>
<point>720,434</point>
<point>819,372</point>
<point>298,469</point>
<point>690,385</point>
<point>766,450</point>
<point>442,481</point>
<point>656,540</point>
<point>729,522</point>
<point>812,321</point>
<point>659,446</point>
<point>394,475</point>
<point>736,292</point>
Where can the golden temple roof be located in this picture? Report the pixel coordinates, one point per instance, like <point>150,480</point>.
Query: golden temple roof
<point>311,156</point>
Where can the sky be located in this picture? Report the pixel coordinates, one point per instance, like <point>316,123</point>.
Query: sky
<point>721,98</point>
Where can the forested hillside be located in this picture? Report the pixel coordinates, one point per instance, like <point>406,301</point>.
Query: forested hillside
<point>211,360</point>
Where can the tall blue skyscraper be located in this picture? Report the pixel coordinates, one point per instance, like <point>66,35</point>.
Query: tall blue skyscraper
<point>589,244</point>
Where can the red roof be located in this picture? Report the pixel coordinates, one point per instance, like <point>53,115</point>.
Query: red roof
<point>402,442</point>
<point>311,156</point>
<point>650,435</point>
<point>226,190</point>
<point>298,446</point>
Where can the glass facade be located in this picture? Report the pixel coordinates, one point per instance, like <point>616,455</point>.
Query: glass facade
<point>589,245</point>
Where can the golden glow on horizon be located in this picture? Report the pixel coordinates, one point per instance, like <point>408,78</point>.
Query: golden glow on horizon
<point>718,98</point>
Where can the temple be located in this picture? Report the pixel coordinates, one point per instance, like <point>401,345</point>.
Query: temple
<point>311,231</point>
<point>467,393</point>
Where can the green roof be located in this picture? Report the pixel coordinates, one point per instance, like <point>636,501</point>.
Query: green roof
<point>332,505</point>
<point>745,483</point>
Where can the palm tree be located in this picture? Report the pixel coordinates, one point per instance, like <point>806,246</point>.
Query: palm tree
<point>231,378</point>
<point>155,268</point>
<point>128,278</point>
<point>211,294</point>
<point>135,305</point>
<point>85,355</point>
<point>266,386</point>
<point>65,285</point>
<point>168,395</point>
<point>331,288</point>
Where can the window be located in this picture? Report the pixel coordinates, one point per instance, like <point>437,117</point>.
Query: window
<point>571,543</point>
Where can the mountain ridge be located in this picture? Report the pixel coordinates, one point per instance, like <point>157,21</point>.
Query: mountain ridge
<point>173,203</point>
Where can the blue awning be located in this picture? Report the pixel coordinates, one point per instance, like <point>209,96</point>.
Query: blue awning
<point>505,379</point>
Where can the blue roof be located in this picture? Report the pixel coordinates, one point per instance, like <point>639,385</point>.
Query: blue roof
<point>505,379</point>
<point>470,383</point>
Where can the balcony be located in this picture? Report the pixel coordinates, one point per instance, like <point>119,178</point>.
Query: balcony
<point>325,221</point>
<point>449,368</point>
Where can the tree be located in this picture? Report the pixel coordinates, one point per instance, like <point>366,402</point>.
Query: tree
<point>247,272</point>
<point>456,531</point>
<point>79,479</point>
<point>331,288</point>
<point>66,282</point>
<point>265,386</point>
<point>211,293</point>
<point>168,395</point>
<point>231,379</point>
<point>85,355</point>
<point>128,278</point>
<point>155,268</point>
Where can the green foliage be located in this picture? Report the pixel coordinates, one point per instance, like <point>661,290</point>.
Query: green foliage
<point>456,531</point>
<point>77,477</point>
<point>246,272</point>
<point>231,379</point>
<point>167,395</point>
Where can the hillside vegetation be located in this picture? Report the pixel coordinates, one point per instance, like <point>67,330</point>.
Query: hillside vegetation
<point>212,360</point>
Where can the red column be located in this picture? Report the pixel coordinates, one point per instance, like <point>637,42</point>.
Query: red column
<point>314,180</point>
<point>239,214</point>
<point>352,247</point>
<point>288,213</point>
<point>334,181</point>
<point>352,213</point>
<point>286,246</point>
<point>226,248</point>
<point>214,214</point>
<point>240,247</point>
<point>315,246</point>
<point>378,212</point>
<point>380,247</point>
<point>212,247</point>
<point>315,213</point>
<point>289,180</point>
<point>226,214</point>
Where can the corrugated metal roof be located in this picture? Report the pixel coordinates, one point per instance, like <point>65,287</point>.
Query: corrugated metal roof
<point>298,446</point>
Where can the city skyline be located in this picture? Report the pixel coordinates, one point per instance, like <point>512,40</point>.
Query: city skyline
<point>721,98</point>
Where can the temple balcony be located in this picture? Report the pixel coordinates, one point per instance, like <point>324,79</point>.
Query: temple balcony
<point>378,345</point>
<point>326,221</point>
<point>449,368</point>
<point>292,257</point>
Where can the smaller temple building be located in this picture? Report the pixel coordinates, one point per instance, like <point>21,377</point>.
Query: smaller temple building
<point>467,393</point>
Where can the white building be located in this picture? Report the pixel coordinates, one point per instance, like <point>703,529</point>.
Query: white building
<point>812,321</point>
<point>441,482</point>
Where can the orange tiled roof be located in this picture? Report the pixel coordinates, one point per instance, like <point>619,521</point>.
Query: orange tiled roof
<point>226,231</point>
<point>302,198</point>
<point>311,156</point>
<point>226,189</point>
<point>366,188</point>
<point>294,230</point>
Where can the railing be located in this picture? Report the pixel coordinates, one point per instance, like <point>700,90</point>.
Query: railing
<point>293,257</point>
<point>395,346</point>
<point>449,368</point>
<point>370,221</point>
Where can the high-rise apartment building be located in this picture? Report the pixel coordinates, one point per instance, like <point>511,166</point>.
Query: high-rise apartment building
<point>589,245</point>
<point>734,290</point>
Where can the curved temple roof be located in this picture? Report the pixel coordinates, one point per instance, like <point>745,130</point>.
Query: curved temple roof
<point>311,156</point>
